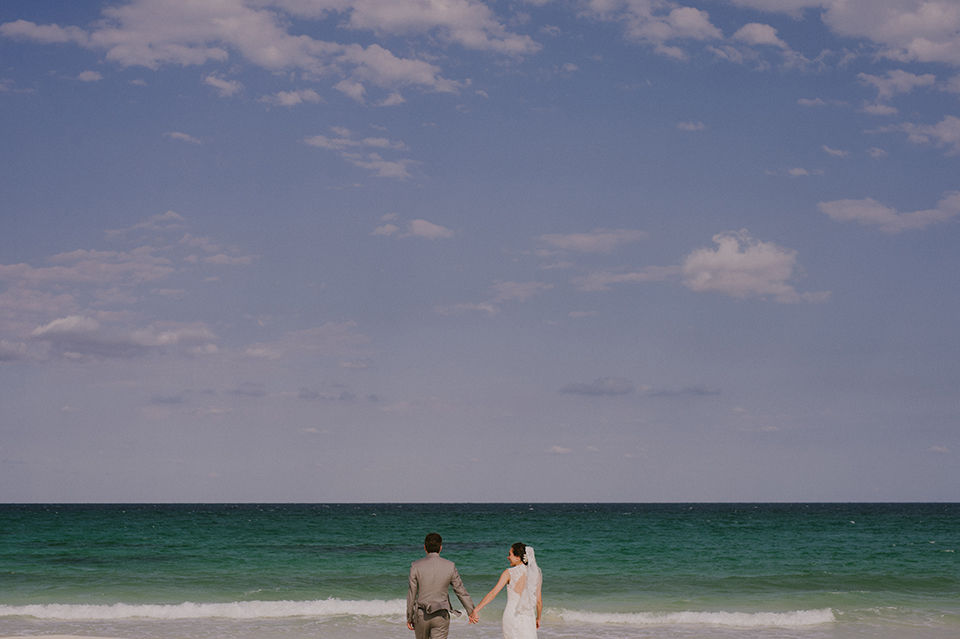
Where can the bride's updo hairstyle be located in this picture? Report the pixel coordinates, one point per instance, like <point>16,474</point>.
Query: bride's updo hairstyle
<point>520,551</point>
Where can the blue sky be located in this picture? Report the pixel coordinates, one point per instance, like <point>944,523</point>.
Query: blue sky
<point>448,250</point>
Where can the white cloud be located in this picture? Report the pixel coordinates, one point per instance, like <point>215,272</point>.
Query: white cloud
<point>12,351</point>
<point>601,280</point>
<point>223,259</point>
<point>906,30</point>
<point>415,228</point>
<point>79,305</point>
<point>927,31</point>
<point>341,341</point>
<point>394,99</point>
<point>176,135</point>
<point>346,146</point>
<point>90,76</point>
<point>657,22</point>
<point>469,23</point>
<point>596,241</point>
<point>227,88</point>
<point>504,292</point>
<point>45,34</point>
<point>396,169</point>
<point>153,33</point>
<point>559,450</point>
<point>744,267</point>
<point>352,89</point>
<point>896,81</point>
<point>292,98</point>
<point>100,267</point>
<point>483,307</point>
<point>67,325</point>
<point>519,291</point>
<point>80,336</point>
<point>162,222</point>
<point>820,102</point>
<point>880,109</point>
<point>603,386</point>
<point>386,229</point>
<point>428,230</point>
<point>952,85</point>
<point>837,153</point>
<point>870,212</point>
<point>691,126</point>
<point>791,7</point>
<point>755,33</point>
<point>946,133</point>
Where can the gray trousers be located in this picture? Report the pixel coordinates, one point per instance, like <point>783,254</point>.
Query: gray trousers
<point>435,625</point>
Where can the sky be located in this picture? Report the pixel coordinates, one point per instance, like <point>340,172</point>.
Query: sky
<point>467,251</point>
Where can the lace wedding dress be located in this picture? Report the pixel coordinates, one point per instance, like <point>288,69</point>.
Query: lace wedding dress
<point>520,615</point>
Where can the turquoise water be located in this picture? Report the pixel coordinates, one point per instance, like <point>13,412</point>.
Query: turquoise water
<point>808,571</point>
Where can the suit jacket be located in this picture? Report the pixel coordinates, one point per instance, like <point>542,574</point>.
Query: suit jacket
<point>430,580</point>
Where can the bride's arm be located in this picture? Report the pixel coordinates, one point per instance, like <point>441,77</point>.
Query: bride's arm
<point>504,578</point>
<point>539,606</point>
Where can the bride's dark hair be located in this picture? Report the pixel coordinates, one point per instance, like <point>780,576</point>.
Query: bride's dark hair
<point>520,551</point>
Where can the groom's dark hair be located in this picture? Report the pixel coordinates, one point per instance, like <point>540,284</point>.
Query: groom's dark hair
<point>432,542</point>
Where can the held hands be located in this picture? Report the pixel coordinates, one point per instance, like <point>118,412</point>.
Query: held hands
<point>474,617</point>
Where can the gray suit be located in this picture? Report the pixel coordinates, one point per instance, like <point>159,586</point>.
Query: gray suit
<point>428,597</point>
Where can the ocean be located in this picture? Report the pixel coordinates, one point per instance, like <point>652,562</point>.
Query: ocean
<point>617,571</point>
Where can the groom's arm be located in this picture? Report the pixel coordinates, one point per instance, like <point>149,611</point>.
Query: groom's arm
<point>412,589</point>
<point>461,592</point>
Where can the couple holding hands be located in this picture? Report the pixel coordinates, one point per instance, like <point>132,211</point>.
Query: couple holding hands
<point>428,599</point>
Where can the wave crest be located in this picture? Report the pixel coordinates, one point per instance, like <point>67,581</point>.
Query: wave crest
<point>190,610</point>
<point>735,619</point>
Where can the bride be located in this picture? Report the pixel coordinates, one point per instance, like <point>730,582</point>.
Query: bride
<point>521,617</point>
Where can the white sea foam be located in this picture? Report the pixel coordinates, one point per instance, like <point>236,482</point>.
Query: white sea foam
<point>735,619</point>
<point>190,610</point>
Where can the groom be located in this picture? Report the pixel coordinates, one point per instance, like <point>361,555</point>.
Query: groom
<point>428,597</point>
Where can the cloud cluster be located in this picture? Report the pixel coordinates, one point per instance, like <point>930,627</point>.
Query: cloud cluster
<point>85,303</point>
<point>902,30</point>
<point>358,152</point>
<point>905,30</point>
<point>740,266</point>
<point>945,133</point>
<point>78,336</point>
<point>657,23</point>
<point>153,33</point>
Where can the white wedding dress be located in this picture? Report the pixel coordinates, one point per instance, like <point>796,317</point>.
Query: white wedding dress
<point>520,615</point>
